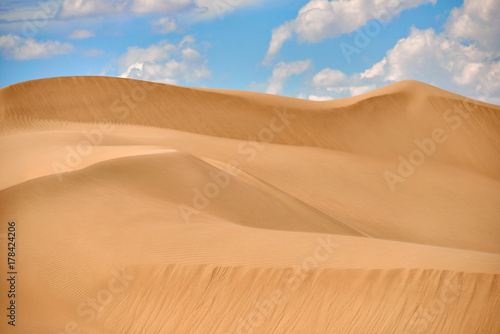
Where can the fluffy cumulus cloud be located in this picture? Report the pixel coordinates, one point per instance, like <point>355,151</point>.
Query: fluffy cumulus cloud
<point>20,48</point>
<point>320,19</point>
<point>425,56</point>
<point>282,71</point>
<point>329,77</point>
<point>165,62</point>
<point>477,21</point>
<point>464,61</point>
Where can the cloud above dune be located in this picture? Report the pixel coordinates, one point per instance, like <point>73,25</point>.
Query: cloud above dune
<point>476,21</point>
<point>453,46</point>
<point>320,19</point>
<point>462,59</point>
<point>165,62</point>
<point>20,48</point>
<point>328,77</point>
<point>282,71</point>
<point>424,56</point>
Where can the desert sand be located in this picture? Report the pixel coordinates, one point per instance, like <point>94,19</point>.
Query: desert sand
<point>149,208</point>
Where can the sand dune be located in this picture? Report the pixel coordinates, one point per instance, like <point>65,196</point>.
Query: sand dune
<point>150,208</point>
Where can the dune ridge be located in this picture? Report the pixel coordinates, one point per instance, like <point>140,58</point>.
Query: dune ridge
<point>235,212</point>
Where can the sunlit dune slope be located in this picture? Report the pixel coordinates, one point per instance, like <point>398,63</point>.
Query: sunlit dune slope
<point>346,160</point>
<point>151,208</point>
<point>382,123</point>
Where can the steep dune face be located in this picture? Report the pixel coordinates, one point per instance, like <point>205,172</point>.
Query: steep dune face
<point>146,208</point>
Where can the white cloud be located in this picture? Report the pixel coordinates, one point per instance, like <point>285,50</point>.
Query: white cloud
<point>176,13</point>
<point>198,9</point>
<point>72,8</point>
<point>319,98</point>
<point>159,6</point>
<point>81,34</point>
<point>283,71</point>
<point>19,48</point>
<point>279,36</point>
<point>425,56</point>
<point>15,11</point>
<point>207,9</point>
<point>320,19</point>
<point>189,39</point>
<point>328,77</point>
<point>164,25</point>
<point>478,21</point>
<point>468,74</point>
<point>375,70</point>
<point>462,59</point>
<point>190,54</point>
<point>164,62</point>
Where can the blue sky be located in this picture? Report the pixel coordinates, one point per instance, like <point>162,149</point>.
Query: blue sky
<point>315,50</point>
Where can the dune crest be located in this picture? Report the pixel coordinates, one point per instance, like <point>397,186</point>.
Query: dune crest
<point>151,208</point>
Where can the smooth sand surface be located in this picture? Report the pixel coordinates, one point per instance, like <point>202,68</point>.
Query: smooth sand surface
<point>150,208</point>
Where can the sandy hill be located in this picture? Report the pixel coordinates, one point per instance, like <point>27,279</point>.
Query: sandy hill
<point>219,211</point>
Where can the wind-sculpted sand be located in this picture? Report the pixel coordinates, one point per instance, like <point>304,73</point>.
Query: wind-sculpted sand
<point>149,208</point>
